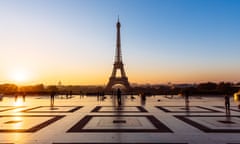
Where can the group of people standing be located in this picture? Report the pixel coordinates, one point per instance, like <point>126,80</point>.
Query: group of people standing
<point>54,93</point>
<point>23,97</point>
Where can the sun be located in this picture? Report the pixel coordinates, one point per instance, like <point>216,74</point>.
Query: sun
<point>19,75</point>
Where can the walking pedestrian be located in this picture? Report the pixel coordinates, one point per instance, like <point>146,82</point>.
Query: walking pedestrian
<point>52,95</point>
<point>227,102</point>
<point>119,93</point>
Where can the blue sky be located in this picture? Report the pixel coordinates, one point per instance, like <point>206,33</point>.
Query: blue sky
<point>162,40</point>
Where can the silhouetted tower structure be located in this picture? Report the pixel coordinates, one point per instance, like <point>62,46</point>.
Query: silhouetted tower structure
<point>118,65</point>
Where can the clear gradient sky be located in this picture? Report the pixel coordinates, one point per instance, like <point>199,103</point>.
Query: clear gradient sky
<point>73,41</point>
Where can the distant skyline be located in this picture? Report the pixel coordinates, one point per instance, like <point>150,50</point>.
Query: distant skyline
<point>74,41</point>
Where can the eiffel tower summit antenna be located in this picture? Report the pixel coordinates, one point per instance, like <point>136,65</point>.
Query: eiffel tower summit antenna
<point>118,65</point>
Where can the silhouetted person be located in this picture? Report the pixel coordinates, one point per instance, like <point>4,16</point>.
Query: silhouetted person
<point>143,98</point>
<point>227,102</point>
<point>81,94</point>
<point>187,100</point>
<point>98,96</point>
<point>24,96</point>
<point>16,97</point>
<point>66,95</point>
<point>52,98</point>
<point>119,93</point>
<point>70,94</point>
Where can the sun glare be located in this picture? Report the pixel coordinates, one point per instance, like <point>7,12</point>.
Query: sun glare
<point>19,76</point>
<point>19,102</point>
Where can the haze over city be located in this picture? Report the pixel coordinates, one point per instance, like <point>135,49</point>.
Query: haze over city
<point>162,41</point>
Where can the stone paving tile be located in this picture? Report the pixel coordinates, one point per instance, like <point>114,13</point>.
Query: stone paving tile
<point>216,124</point>
<point>191,109</point>
<point>123,109</point>
<point>26,123</point>
<point>55,109</point>
<point>119,123</point>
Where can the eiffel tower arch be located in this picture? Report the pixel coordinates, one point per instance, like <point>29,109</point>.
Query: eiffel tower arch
<point>118,65</point>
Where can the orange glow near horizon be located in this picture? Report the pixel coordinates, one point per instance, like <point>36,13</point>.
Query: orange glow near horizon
<point>72,75</point>
<point>19,75</point>
<point>101,78</point>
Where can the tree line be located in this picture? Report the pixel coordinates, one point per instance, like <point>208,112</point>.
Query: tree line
<point>208,88</point>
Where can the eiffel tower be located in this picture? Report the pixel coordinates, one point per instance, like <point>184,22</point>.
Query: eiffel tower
<point>118,65</point>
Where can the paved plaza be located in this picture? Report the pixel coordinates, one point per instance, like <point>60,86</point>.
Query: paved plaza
<point>88,120</point>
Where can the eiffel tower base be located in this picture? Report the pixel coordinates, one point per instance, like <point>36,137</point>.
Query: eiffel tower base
<point>114,80</point>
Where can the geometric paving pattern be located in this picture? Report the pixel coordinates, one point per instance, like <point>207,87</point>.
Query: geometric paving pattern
<point>26,123</point>
<point>104,123</point>
<point>125,109</point>
<point>6,108</point>
<point>119,123</point>
<point>233,108</point>
<point>182,109</point>
<point>119,143</point>
<point>213,123</point>
<point>55,109</point>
